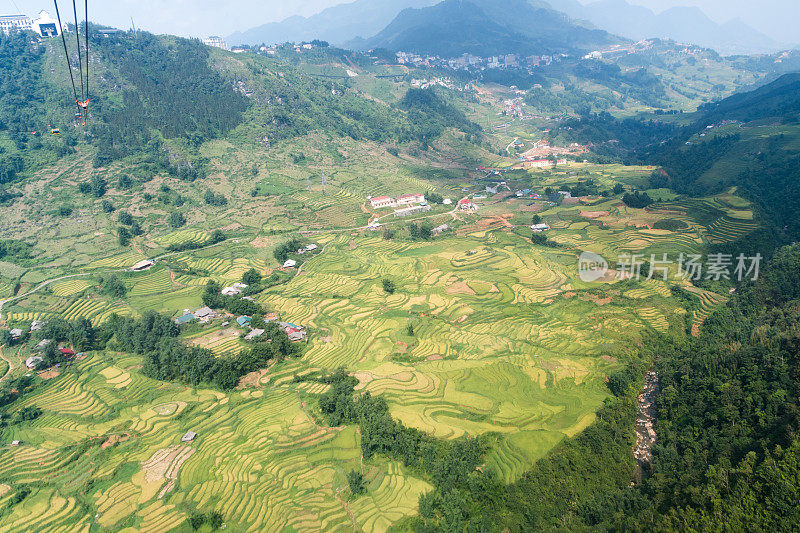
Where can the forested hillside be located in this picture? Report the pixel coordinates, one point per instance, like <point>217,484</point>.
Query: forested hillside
<point>758,153</point>
<point>167,87</point>
<point>25,109</point>
<point>160,98</point>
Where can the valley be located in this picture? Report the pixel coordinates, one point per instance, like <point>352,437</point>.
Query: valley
<point>305,288</point>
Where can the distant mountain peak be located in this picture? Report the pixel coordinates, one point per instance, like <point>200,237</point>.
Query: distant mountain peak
<point>688,24</point>
<point>336,24</point>
<point>487,27</point>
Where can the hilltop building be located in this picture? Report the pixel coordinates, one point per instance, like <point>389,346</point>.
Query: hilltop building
<point>46,26</point>
<point>215,42</point>
<point>9,23</point>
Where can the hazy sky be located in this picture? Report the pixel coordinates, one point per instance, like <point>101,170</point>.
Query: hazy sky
<point>199,18</point>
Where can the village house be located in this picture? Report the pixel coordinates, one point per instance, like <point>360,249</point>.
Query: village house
<point>467,205</point>
<point>243,320</point>
<point>538,228</point>
<point>43,344</point>
<point>32,361</point>
<point>188,436</point>
<point>290,263</point>
<point>296,333</point>
<point>37,325</point>
<point>185,319</point>
<point>143,265</point>
<point>380,202</point>
<point>205,313</point>
<point>410,199</point>
<point>231,291</point>
<point>16,333</point>
<point>254,334</point>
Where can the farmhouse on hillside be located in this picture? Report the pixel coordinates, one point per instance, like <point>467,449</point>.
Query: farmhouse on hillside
<point>231,291</point>
<point>143,265</point>
<point>380,202</point>
<point>204,313</point>
<point>254,334</point>
<point>185,319</point>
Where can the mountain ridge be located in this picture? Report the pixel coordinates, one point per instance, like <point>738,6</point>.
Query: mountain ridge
<point>484,27</point>
<point>336,24</point>
<point>680,23</point>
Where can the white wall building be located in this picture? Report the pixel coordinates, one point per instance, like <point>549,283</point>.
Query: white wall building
<point>46,26</point>
<point>215,41</point>
<point>9,23</point>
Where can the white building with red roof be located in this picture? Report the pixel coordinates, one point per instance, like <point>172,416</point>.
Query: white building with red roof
<point>380,202</point>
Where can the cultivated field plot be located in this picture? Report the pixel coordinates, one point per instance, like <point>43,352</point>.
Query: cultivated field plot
<point>258,458</point>
<point>506,338</point>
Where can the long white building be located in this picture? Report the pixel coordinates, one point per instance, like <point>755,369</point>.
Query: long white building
<point>45,25</point>
<point>9,23</point>
<point>216,42</point>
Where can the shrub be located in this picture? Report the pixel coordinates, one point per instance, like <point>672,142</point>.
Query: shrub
<point>176,219</point>
<point>388,286</point>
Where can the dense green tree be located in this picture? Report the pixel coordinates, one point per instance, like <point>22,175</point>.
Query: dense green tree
<point>176,219</point>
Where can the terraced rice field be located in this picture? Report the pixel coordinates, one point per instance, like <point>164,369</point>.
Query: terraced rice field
<point>259,459</point>
<point>184,236</point>
<point>507,339</point>
<point>497,345</point>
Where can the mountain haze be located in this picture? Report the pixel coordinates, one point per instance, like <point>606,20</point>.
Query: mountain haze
<point>336,24</point>
<point>683,24</point>
<point>484,27</point>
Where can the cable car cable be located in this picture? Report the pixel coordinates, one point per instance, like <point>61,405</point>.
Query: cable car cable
<point>86,37</point>
<point>66,51</point>
<point>78,42</point>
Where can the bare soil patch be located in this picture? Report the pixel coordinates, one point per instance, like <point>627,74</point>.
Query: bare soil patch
<point>460,287</point>
<point>594,214</point>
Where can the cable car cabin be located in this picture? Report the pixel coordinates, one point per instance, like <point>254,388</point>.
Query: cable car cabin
<point>55,131</point>
<point>78,116</point>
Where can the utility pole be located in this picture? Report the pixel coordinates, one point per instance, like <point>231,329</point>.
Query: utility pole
<point>323,182</point>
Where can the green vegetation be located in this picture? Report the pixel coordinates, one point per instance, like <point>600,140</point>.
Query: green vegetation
<point>637,200</point>
<point>15,251</point>
<point>165,358</point>
<point>172,88</point>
